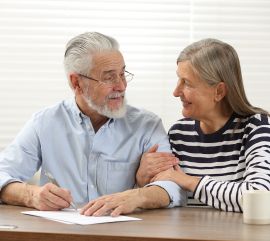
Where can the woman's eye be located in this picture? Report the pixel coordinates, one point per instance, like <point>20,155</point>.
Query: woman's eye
<point>186,83</point>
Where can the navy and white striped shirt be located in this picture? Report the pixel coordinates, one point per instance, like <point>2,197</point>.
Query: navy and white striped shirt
<point>233,159</point>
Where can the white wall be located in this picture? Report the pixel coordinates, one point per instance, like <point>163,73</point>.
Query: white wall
<point>33,34</point>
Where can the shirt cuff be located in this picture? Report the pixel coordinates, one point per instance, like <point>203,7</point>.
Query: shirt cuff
<point>5,180</point>
<point>178,197</point>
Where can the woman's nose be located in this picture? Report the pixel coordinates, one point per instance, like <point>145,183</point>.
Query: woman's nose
<point>178,90</point>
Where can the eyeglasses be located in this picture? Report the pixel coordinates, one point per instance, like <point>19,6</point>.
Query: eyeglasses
<point>112,79</point>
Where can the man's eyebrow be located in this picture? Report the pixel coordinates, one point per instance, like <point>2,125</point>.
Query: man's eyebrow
<point>112,70</point>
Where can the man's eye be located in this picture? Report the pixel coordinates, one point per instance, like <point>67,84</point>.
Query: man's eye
<point>109,78</point>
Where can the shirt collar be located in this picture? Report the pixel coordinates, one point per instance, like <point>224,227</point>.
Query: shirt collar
<point>76,111</point>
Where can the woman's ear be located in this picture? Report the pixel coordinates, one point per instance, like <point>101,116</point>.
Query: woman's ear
<point>221,91</point>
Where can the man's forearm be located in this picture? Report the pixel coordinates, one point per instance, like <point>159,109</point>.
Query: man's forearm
<point>153,197</point>
<point>17,193</point>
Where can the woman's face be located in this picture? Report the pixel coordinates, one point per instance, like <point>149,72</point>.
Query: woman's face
<point>198,98</point>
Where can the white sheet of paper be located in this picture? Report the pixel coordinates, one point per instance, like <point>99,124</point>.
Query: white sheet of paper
<point>71,216</point>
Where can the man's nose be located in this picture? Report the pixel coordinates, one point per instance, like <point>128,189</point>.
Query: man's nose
<point>120,84</point>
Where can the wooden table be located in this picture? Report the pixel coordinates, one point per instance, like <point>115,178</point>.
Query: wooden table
<point>164,224</point>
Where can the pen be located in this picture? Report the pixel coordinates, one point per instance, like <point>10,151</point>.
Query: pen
<point>53,181</point>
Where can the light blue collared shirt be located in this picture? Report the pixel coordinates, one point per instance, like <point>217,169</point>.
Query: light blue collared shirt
<point>61,140</point>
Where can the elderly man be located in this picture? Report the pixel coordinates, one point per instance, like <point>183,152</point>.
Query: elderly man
<point>93,144</point>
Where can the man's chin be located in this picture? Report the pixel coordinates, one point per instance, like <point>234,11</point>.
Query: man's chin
<point>116,110</point>
<point>116,113</point>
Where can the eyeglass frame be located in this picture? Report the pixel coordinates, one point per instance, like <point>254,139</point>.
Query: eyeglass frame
<point>109,83</point>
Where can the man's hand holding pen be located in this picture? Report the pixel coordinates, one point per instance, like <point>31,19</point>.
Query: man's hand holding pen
<point>53,181</point>
<point>50,197</point>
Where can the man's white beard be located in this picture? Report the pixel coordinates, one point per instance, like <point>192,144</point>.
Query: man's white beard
<point>104,110</point>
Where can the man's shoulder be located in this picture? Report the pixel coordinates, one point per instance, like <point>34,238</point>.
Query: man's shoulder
<point>138,118</point>
<point>51,111</point>
<point>140,113</point>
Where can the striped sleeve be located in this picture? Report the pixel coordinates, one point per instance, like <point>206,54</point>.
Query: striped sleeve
<point>226,195</point>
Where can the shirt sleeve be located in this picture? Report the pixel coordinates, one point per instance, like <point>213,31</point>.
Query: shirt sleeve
<point>157,135</point>
<point>178,197</point>
<point>21,159</point>
<point>226,195</point>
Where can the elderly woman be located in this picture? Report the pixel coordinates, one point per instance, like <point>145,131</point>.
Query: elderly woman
<point>223,142</point>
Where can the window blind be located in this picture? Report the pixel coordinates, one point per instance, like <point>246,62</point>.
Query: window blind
<point>151,33</point>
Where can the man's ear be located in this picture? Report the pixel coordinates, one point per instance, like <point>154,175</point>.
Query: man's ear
<point>221,91</point>
<point>75,84</point>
